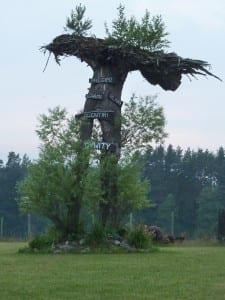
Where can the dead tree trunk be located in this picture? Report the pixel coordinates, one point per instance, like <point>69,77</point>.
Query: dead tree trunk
<point>103,102</point>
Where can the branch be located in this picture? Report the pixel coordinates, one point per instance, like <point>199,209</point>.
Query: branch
<point>165,69</point>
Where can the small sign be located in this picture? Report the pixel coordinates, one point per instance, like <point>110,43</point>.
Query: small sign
<point>115,100</point>
<point>98,114</point>
<point>102,146</point>
<point>94,96</point>
<point>101,80</point>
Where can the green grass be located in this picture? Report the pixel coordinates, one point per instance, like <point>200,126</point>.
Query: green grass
<point>172,273</point>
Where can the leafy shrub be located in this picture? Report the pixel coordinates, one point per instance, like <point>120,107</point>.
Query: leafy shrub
<point>97,236</point>
<point>122,232</point>
<point>46,240</point>
<point>53,235</point>
<point>138,238</point>
<point>40,242</point>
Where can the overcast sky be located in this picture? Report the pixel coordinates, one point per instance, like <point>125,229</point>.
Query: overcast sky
<point>195,113</point>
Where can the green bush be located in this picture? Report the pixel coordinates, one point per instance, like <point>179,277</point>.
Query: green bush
<point>53,235</point>
<point>97,236</point>
<point>122,232</point>
<point>40,242</point>
<point>139,239</point>
<point>46,240</point>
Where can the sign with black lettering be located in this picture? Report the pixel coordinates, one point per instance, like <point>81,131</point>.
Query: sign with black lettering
<point>101,80</point>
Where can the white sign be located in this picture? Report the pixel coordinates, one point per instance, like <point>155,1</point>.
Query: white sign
<point>101,80</point>
<point>94,96</point>
<point>98,114</point>
<point>101,145</point>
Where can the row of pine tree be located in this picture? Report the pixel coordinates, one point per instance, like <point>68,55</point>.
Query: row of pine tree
<point>187,190</point>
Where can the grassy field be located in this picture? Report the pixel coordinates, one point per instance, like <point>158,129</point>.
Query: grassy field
<point>171,273</point>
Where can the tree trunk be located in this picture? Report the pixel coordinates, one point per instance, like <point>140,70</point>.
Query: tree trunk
<point>104,96</point>
<point>75,203</point>
<point>73,217</point>
<point>109,175</point>
<point>103,102</point>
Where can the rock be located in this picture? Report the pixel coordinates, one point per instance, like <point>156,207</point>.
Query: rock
<point>116,242</point>
<point>82,241</point>
<point>57,251</point>
<point>156,233</point>
<point>127,247</point>
<point>85,250</point>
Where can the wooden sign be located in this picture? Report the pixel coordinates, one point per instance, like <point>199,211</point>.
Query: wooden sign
<point>101,80</point>
<point>102,146</point>
<point>98,115</point>
<point>105,146</point>
<point>94,96</point>
<point>115,100</point>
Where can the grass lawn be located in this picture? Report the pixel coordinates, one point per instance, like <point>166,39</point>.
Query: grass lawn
<point>172,273</point>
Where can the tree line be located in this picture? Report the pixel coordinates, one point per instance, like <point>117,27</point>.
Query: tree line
<point>13,222</point>
<point>186,188</point>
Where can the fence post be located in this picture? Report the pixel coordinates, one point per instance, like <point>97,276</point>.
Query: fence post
<point>172,223</point>
<point>28,227</point>
<point>131,221</point>
<point>1,227</point>
<point>93,219</point>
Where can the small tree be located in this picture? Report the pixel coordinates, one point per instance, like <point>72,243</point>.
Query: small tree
<point>69,176</point>
<point>127,190</point>
<point>56,182</point>
<point>149,34</point>
<point>76,23</point>
<point>143,123</point>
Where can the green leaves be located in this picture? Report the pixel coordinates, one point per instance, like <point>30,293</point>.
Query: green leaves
<point>143,123</point>
<point>56,181</point>
<point>133,191</point>
<point>149,34</point>
<point>68,176</point>
<point>76,22</point>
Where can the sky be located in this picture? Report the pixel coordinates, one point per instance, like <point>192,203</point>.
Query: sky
<point>195,113</point>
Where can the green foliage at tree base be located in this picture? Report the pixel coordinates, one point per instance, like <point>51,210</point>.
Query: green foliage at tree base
<point>69,177</point>
<point>139,239</point>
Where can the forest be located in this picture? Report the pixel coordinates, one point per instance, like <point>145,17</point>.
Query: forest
<point>186,189</point>
<point>14,224</point>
